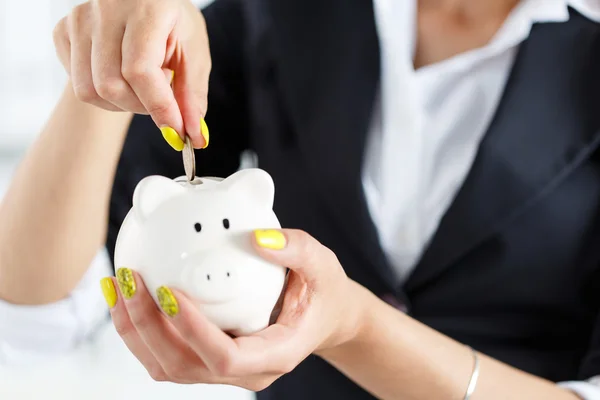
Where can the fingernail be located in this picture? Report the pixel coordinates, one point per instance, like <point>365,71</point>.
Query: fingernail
<point>126,282</point>
<point>172,137</point>
<point>204,132</point>
<point>167,301</point>
<point>109,292</point>
<point>270,239</point>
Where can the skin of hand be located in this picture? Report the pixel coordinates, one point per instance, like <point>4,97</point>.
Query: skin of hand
<point>122,55</point>
<point>180,345</point>
<point>324,313</point>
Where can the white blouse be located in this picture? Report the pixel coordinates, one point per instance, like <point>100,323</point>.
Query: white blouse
<point>429,123</point>
<point>424,136</point>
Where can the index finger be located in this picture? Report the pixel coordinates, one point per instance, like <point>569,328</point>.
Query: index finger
<point>266,352</point>
<point>144,52</point>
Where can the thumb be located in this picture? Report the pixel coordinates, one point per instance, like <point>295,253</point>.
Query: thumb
<point>190,87</point>
<point>296,250</point>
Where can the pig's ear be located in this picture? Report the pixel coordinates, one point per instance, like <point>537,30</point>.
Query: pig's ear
<point>253,183</point>
<point>151,192</point>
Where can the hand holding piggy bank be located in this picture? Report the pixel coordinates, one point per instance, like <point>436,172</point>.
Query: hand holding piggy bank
<point>195,237</point>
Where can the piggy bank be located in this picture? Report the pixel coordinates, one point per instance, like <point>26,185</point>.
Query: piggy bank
<point>196,237</point>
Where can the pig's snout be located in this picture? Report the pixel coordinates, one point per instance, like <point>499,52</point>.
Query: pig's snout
<point>214,278</point>
<point>218,275</point>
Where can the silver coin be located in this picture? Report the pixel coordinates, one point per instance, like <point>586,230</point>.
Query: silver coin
<point>189,159</point>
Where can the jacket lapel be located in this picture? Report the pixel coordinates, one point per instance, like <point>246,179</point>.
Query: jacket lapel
<point>327,56</point>
<point>546,125</point>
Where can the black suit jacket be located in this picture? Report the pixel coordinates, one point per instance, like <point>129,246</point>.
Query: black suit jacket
<point>513,269</point>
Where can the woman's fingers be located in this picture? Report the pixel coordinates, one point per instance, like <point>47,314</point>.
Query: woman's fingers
<point>177,360</point>
<point>187,347</point>
<point>144,53</point>
<point>265,354</point>
<point>117,51</point>
<point>62,44</point>
<point>296,250</point>
<point>132,340</point>
<point>179,370</point>
<point>213,346</point>
<point>81,67</point>
<point>190,89</point>
<point>107,37</point>
<point>191,84</point>
<point>182,345</point>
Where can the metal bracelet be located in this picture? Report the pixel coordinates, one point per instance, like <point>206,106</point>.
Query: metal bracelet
<point>474,376</point>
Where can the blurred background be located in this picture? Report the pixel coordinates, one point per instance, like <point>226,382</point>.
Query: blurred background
<point>30,75</point>
<point>31,81</point>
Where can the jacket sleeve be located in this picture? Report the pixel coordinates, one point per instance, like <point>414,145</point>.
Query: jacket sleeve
<point>146,153</point>
<point>587,385</point>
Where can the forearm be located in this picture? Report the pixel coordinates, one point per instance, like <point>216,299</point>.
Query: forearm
<point>394,356</point>
<point>54,215</point>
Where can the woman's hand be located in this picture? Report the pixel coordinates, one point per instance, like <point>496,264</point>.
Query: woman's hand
<point>121,56</point>
<point>320,311</point>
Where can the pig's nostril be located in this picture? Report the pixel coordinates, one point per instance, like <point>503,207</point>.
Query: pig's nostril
<point>228,274</point>
<point>208,277</point>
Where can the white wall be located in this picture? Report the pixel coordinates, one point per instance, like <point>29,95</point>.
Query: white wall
<point>31,77</point>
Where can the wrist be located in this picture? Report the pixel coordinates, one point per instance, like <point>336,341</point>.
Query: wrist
<point>355,327</point>
<point>76,127</point>
<point>80,110</point>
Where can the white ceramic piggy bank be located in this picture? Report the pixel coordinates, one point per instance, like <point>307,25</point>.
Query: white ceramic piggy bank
<point>196,237</point>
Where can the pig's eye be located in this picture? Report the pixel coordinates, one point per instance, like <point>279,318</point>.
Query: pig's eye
<point>226,223</point>
<point>198,227</point>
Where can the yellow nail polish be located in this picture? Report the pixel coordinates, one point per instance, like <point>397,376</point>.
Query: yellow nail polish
<point>204,132</point>
<point>109,292</point>
<point>172,137</point>
<point>172,76</point>
<point>270,239</point>
<point>126,282</point>
<point>167,301</point>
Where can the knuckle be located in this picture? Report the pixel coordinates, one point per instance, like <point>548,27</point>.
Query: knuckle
<point>304,243</point>
<point>104,9</point>
<point>225,366</point>
<point>329,255</point>
<point>159,108</point>
<point>140,320</point>
<point>109,88</point>
<point>79,16</point>
<point>157,373</point>
<point>136,72</point>
<point>59,32</point>
<point>177,373</point>
<point>124,330</point>
<point>259,385</point>
<point>85,92</point>
<point>286,367</point>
